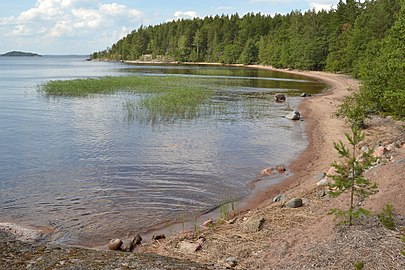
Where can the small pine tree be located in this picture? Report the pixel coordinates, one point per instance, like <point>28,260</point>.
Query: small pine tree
<point>350,175</point>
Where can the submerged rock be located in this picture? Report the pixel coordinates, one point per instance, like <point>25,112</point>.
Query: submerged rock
<point>280,98</point>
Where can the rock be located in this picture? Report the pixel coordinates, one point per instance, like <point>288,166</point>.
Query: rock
<point>321,193</point>
<point>379,152</point>
<point>253,224</point>
<point>280,98</point>
<point>319,176</point>
<point>295,115</point>
<point>303,95</point>
<point>324,182</point>
<point>266,172</point>
<point>294,203</point>
<point>130,245</point>
<point>187,247</point>
<point>281,169</point>
<point>158,237</point>
<point>331,171</point>
<point>208,223</point>
<point>393,146</point>
<point>280,198</point>
<point>115,244</point>
<point>231,262</point>
<point>364,149</point>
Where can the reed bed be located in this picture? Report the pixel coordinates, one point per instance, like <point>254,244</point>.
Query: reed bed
<point>160,98</point>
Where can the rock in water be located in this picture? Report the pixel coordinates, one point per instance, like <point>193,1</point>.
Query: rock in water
<point>115,244</point>
<point>295,115</point>
<point>294,203</point>
<point>281,169</point>
<point>279,98</point>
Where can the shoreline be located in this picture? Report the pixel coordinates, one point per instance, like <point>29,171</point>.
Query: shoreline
<point>257,195</point>
<point>315,113</point>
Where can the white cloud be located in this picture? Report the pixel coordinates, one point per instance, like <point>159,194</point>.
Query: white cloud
<point>319,5</point>
<point>51,21</point>
<point>185,14</point>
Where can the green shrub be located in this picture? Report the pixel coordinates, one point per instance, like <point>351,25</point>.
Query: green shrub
<point>386,217</point>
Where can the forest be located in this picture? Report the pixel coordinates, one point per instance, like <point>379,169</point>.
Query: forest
<point>366,40</point>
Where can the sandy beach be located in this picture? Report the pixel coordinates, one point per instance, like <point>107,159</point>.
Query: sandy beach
<point>307,236</point>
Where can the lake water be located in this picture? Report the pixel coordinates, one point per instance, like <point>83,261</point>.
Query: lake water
<point>78,166</point>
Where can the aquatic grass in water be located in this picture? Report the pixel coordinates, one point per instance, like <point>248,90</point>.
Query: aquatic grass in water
<point>134,84</point>
<point>166,99</point>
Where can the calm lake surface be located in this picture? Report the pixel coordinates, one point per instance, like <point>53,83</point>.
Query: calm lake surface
<point>79,166</point>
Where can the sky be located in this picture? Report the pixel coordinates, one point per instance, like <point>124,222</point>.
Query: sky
<point>84,26</point>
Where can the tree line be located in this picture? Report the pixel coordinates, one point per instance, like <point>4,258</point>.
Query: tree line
<point>365,39</point>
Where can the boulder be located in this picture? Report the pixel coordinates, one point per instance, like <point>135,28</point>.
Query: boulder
<point>294,203</point>
<point>280,98</point>
<point>303,95</point>
<point>130,245</point>
<point>115,244</point>
<point>295,115</point>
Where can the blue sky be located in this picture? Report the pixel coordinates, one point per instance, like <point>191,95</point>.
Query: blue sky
<point>85,26</point>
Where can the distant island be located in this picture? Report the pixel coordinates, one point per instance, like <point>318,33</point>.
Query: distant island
<point>17,53</point>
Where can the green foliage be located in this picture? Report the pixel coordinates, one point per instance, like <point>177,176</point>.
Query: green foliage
<point>353,108</point>
<point>359,265</point>
<point>364,39</point>
<point>349,175</point>
<point>386,217</point>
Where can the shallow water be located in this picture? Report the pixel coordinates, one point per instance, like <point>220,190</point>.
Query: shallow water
<point>77,164</point>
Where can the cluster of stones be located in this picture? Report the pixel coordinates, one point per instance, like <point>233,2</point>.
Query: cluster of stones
<point>381,153</point>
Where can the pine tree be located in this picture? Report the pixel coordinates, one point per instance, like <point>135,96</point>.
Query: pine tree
<point>350,175</point>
